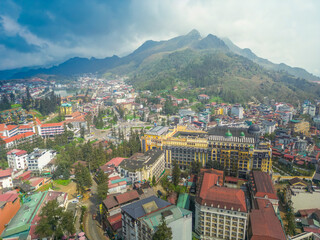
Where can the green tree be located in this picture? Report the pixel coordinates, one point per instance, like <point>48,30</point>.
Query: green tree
<point>54,221</point>
<point>153,180</point>
<point>163,231</point>
<point>82,132</point>
<point>176,174</point>
<point>83,178</point>
<point>291,225</point>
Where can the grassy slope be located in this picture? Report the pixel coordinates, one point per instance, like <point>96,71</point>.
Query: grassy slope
<point>229,76</point>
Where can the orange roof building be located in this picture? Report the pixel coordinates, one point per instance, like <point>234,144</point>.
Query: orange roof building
<point>9,206</point>
<point>218,207</point>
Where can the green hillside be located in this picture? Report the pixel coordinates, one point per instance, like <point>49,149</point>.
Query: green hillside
<point>221,73</point>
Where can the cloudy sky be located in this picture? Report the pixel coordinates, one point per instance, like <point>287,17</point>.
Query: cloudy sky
<point>42,32</point>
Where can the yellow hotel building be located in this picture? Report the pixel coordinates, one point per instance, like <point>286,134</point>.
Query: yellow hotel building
<point>238,150</point>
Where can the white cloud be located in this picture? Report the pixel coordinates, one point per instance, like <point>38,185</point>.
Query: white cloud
<point>282,31</point>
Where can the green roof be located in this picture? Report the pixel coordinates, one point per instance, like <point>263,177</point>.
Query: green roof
<point>295,121</point>
<point>154,219</point>
<point>183,201</point>
<point>66,105</point>
<point>228,133</point>
<point>117,180</point>
<point>21,222</point>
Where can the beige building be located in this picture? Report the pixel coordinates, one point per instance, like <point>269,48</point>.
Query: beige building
<point>238,150</point>
<point>299,126</point>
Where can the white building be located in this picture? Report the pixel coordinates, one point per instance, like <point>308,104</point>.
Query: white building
<point>39,158</point>
<point>269,126</point>
<point>237,111</point>
<point>17,159</point>
<point>308,108</point>
<point>5,178</point>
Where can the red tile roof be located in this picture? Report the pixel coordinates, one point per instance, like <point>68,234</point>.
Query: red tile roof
<point>263,186</point>
<point>35,181</point>
<point>288,156</point>
<point>24,174</point>
<point>17,152</point>
<point>115,218</point>
<point>10,127</point>
<point>25,127</point>
<point>52,125</point>
<point>127,197</point>
<point>5,173</point>
<point>309,229</point>
<point>115,161</point>
<point>3,127</point>
<point>114,178</point>
<point>110,201</point>
<point>19,136</point>
<point>220,197</point>
<point>265,225</point>
<point>8,197</point>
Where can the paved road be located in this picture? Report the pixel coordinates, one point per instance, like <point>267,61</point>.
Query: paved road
<point>92,227</point>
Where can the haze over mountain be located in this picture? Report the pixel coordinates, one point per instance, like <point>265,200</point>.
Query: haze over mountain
<point>217,65</point>
<point>193,40</point>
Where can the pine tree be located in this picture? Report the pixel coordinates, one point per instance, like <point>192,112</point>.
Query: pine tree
<point>83,178</point>
<point>176,174</point>
<point>163,232</point>
<point>54,221</point>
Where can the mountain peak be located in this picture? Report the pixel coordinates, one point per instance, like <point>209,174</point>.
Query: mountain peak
<point>194,33</point>
<point>211,42</point>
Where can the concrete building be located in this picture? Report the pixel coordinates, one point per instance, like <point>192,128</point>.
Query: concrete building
<point>50,129</point>
<point>141,219</point>
<point>39,158</point>
<point>143,166</point>
<point>237,111</point>
<point>238,149</point>
<point>17,159</point>
<point>269,126</point>
<point>111,207</point>
<point>6,178</point>
<point>308,108</point>
<point>9,206</point>
<point>220,212</point>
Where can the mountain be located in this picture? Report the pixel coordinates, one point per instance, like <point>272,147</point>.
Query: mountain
<point>127,64</point>
<point>217,66</point>
<point>72,66</point>
<point>246,52</point>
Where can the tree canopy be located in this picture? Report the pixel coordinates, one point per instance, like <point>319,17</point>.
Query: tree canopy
<point>54,221</point>
<point>83,178</point>
<point>163,232</point>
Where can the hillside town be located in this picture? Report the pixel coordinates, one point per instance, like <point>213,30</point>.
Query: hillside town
<point>114,162</point>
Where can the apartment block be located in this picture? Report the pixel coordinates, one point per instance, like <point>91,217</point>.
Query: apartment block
<point>141,167</point>
<point>39,158</point>
<point>17,159</point>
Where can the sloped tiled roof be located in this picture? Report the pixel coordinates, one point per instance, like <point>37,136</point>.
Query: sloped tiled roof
<point>264,222</point>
